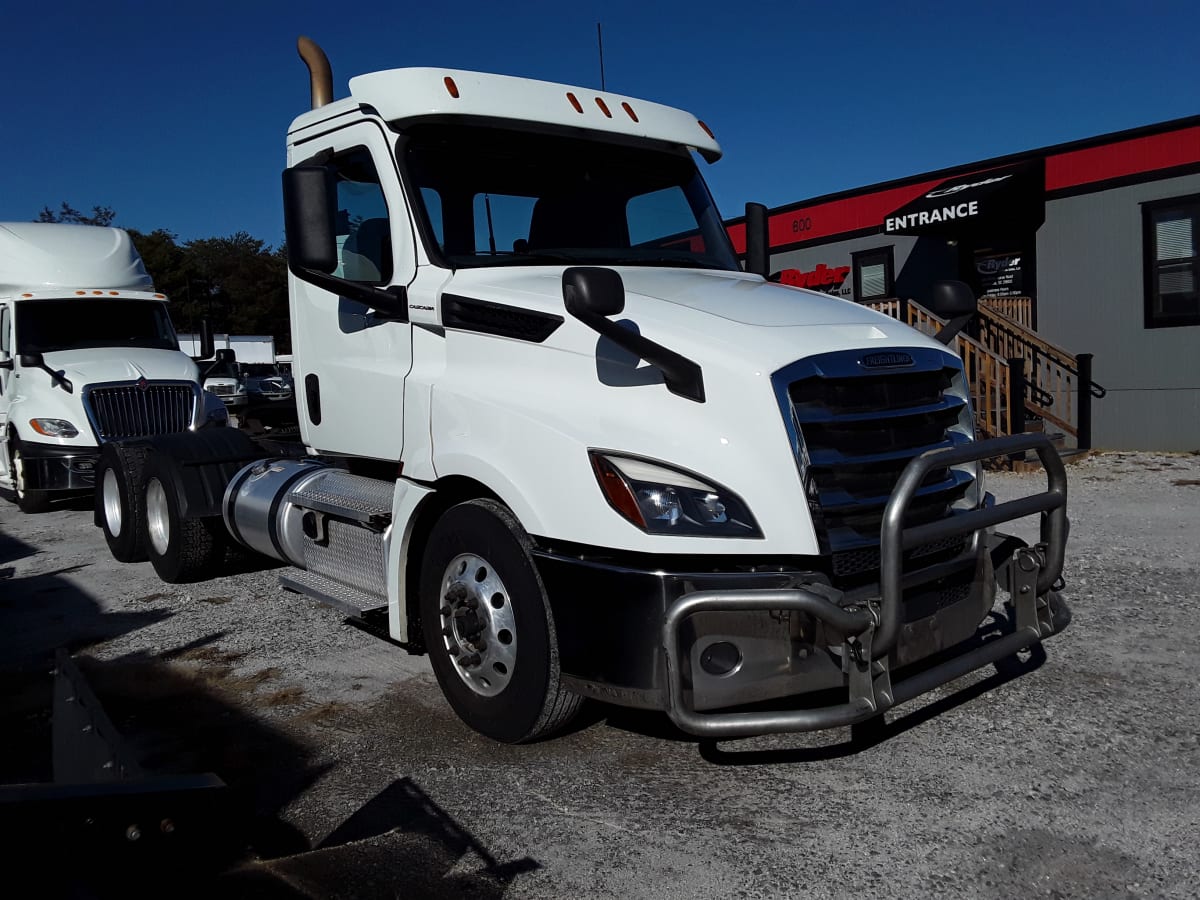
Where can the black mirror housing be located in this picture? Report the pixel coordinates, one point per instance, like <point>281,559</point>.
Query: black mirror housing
<point>309,206</point>
<point>951,299</point>
<point>758,252</point>
<point>33,361</point>
<point>593,291</point>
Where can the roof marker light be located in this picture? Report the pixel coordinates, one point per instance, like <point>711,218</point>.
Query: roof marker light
<point>98,293</point>
<point>451,87</point>
<point>160,296</point>
<point>629,110</point>
<point>575,102</point>
<point>114,293</point>
<point>81,293</point>
<point>707,130</point>
<point>603,107</point>
<point>27,295</point>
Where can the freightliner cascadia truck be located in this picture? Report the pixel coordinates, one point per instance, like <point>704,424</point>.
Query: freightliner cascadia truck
<point>87,356</point>
<point>556,438</point>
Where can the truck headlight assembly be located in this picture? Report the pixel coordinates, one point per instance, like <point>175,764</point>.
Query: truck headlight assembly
<point>59,428</point>
<point>662,500</point>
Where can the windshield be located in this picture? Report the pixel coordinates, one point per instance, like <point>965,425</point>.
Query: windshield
<point>44,326</point>
<point>496,197</point>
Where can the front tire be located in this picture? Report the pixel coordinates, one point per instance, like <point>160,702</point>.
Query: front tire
<point>181,550</point>
<point>488,626</point>
<point>120,492</point>
<point>28,501</point>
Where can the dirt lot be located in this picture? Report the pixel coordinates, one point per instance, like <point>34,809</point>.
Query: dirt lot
<point>1078,779</point>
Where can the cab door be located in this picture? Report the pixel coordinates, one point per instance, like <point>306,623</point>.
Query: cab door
<point>350,359</point>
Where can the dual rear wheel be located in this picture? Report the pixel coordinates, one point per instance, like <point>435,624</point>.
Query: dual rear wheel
<point>139,508</point>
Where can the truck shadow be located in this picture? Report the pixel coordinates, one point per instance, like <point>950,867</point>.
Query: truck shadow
<point>181,712</point>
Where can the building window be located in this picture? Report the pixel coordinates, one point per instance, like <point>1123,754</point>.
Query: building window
<point>873,274</point>
<point>1169,235</point>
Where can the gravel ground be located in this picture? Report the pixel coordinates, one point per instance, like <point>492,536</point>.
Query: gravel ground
<point>1078,779</point>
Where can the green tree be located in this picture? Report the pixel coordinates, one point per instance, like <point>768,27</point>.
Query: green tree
<point>101,215</point>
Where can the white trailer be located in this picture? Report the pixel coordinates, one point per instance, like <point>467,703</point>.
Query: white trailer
<point>87,355</point>
<point>556,438</point>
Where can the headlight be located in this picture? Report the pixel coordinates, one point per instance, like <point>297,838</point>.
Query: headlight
<point>59,428</point>
<point>662,500</point>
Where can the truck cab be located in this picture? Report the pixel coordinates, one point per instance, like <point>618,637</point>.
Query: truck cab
<point>87,355</point>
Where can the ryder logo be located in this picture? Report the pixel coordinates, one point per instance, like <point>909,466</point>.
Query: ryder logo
<point>820,277</point>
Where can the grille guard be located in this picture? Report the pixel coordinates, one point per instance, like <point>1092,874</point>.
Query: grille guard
<point>871,631</point>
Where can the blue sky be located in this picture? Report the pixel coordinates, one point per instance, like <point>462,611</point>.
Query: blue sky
<point>175,114</point>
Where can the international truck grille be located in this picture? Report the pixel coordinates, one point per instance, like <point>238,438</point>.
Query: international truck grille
<point>129,410</point>
<point>854,428</point>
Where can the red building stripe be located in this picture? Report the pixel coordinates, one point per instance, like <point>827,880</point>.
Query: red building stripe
<point>1070,169</point>
<point>1124,158</point>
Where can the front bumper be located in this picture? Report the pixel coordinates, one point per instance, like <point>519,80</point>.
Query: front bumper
<point>51,467</point>
<point>723,640</point>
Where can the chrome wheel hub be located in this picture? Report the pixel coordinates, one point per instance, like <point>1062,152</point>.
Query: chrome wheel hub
<point>158,521</point>
<point>111,494</point>
<point>479,630</point>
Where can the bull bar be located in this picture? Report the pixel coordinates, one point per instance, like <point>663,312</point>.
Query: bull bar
<point>871,630</point>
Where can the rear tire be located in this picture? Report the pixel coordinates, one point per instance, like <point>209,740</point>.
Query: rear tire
<point>120,493</point>
<point>488,626</point>
<point>181,550</point>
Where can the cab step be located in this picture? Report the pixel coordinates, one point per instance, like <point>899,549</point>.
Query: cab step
<point>332,593</point>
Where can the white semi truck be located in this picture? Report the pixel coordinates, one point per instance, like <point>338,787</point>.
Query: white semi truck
<point>558,440</point>
<point>87,355</point>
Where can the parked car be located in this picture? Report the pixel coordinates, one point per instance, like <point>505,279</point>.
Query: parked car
<point>265,381</point>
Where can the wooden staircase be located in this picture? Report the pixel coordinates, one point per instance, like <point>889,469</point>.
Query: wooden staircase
<point>1019,381</point>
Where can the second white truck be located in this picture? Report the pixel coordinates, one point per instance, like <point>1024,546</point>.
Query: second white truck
<point>557,439</point>
<point>87,355</point>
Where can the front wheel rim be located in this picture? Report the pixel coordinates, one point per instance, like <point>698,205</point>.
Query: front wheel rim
<point>479,630</point>
<point>111,494</point>
<point>158,521</point>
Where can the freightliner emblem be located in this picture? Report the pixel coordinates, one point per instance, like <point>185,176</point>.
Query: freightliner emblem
<point>887,360</point>
<point>142,384</point>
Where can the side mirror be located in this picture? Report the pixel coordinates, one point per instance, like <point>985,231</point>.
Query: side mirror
<point>758,255</point>
<point>592,291</point>
<point>36,360</point>
<point>226,355</point>
<point>6,364</point>
<point>951,299</point>
<point>309,201</point>
<point>207,348</point>
<point>955,302</point>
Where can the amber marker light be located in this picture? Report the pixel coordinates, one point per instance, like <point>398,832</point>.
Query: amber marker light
<point>451,87</point>
<point>707,130</point>
<point>575,102</point>
<point>616,491</point>
<point>629,110</point>
<point>603,106</point>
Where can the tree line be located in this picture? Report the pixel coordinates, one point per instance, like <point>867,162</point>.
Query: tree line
<point>239,283</point>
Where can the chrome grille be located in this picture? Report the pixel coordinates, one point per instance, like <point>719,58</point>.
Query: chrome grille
<point>855,428</point>
<point>119,411</point>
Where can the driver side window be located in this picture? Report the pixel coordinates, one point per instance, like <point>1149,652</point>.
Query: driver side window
<point>363,230</point>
